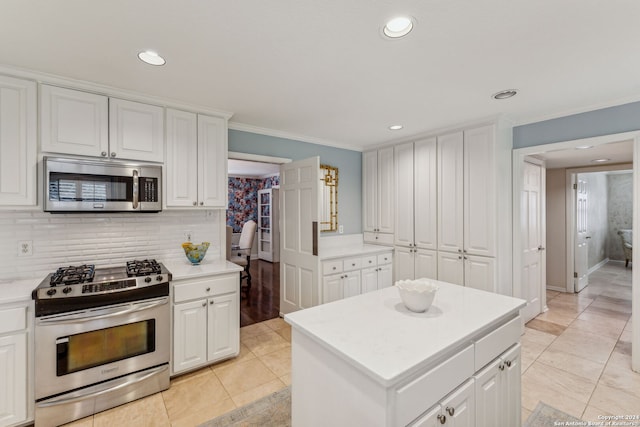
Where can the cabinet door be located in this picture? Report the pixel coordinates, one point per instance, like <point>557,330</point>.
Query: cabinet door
<point>223,325</point>
<point>404,263</point>
<point>480,191</point>
<point>370,190</point>
<point>404,179</point>
<point>450,192</point>
<point>136,130</point>
<point>450,268</point>
<point>430,419</point>
<point>18,142</point>
<point>13,387</point>
<point>74,122</point>
<point>511,387</point>
<point>212,161</point>
<point>426,264</point>
<point>181,182</point>
<point>425,194</point>
<point>386,198</point>
<point>459,406</point>
<point>351,284</point>
<point>332,288</point>
<point>479,273</point>
<point>385,276</point>
<point>489,396</point>
<point>369,278</point>
<point>189,335</point>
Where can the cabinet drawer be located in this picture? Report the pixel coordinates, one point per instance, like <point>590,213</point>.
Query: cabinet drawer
<point>369,261</point>
<point>493,344</point>
<point>351,264</point>
<point>384,239</point>
<point>205,288</point>
<point>385,259</point>
<point>331,267</point>
<point>424,391</point>
<point>13,319</point>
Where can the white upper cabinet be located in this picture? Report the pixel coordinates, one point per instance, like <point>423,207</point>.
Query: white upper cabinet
<point>378,194</point>
<point>18,142</point>
<point>74,122</point>
<point>87,124</point>
<point>196,172</point>
<point>450,192</point>
<point>136,130</point>
<point>404,218</point>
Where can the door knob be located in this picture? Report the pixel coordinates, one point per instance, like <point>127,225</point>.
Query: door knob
<point>442,418</point>
<point>450,410</point>
<point>541,248</point>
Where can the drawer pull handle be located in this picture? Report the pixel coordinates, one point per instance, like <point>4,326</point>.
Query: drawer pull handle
<point>450,411</point>
<point>204,304</point>
<point>353,265</point>
<point>208,289</point>
<point>508,363</point>
<point>442,418</point>
<point>211,302</point>
<point>334,268</point>
<point>501,367</point>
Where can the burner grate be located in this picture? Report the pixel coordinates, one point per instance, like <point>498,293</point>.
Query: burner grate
<point>143,267</point>
<point>73,274</point>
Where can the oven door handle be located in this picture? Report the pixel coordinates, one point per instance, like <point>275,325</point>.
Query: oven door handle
<point>103,388</point>
<point>102,313</point>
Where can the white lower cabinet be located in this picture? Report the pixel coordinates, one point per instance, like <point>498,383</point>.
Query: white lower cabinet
<point>206,321</point>
<point>412,263</point>
<point>346,277</point>
<point>14,366</point>
<point>455,410</point>
<point>476,272</point>
<point>497,389</point>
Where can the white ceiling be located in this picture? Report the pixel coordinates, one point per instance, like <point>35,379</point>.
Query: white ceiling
<point>321,71</point>
<point>616,152</point>
<point>246,168</point>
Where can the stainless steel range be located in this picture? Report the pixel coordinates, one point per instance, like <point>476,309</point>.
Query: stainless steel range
<point>102,338</point>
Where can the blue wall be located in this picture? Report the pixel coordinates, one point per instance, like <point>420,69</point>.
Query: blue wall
<point>348,162</point>
<point>606,121</point>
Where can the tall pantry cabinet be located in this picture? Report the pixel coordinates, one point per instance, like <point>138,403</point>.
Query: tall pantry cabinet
<point>378,199</point>
<point>452,206</point>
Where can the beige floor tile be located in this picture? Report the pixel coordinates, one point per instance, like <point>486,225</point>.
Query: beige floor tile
<point>527,359</point>
<point>618,374</point>
<point>245,354</point>
<point>586,345</point>
<point>585,368</point>
<point>624,343</point>
<point>552,294</point>
<point>285,333</point>
<point>199,394</point>
<point>547,327</point>
<point>286,379</point>
<point>278,361</point>
<point>266,343</point>
<point>562,317</point>
<point>525,415</point>
<point>533,336</point>
<point>253,330</point>
<point>258,392</point>
<point>190,376</point>
<point>614,304</point>
<point>629,324</point>
<point>197,417</point>
<point>82,422</point>
<point>591,413</point>
<point>605,312</point>
<point>616,401</point>
<point>149,411</point>
<point>560,389</point>
<point>277,323</point>
<point>610,328</point>
<point>241,377</point>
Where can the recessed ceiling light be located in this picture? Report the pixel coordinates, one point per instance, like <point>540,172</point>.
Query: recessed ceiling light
<point>584,147</point>
<point>504,94</point>
<point>398,27</point>
<point>395,127</point>
<point>151,57</point>
<point>600,160</point>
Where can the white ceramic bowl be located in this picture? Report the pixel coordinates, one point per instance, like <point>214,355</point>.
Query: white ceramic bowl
<point>417,295</point>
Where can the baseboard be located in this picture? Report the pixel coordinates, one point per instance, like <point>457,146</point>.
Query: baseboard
<point>556,288</point>
<point>598,265</point>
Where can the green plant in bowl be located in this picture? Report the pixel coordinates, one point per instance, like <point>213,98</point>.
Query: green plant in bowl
<point>195,253</point>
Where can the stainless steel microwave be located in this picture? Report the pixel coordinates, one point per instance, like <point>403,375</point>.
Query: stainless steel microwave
<point>84,185</point>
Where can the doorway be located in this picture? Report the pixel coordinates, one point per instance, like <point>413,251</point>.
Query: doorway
<point>581,151</point>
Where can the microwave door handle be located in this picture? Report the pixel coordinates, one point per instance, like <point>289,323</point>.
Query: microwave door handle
<point>135,190</point>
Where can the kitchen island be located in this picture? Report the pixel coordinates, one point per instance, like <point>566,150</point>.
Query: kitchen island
<point>367,360</point>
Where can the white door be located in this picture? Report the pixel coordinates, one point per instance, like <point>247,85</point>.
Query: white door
<point>212,161</point>
<point>581,259</point>
<point>425,194</point>
<point>136,130</point>
<point>182,155</point>
<point>489,396</point>
<point>189,335</point>
<point>480,272</point>
<point>459,406</point>
<point>530,221</point>
<point>299,216</point>
<point>512,387</point>
<point>223,325</point>
<point>403,158</point>
<point>450,192</point>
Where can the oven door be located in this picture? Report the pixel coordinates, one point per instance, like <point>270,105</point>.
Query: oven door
<point>81,348</point>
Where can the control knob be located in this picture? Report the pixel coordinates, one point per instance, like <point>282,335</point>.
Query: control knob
<point>147,279</point>
<point>51,292</point>
<point>67,289</point>
<point>159,278</point>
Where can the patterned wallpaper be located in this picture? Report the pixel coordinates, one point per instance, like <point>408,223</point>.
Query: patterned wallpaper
<point>243,199</point>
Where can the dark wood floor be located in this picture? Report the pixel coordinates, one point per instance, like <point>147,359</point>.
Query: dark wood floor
<point>262,302</point>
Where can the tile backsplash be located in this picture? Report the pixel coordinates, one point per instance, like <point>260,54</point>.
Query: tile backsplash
<point>100,239</point>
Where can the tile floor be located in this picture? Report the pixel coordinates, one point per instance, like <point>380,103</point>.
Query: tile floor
<point>575,357</point>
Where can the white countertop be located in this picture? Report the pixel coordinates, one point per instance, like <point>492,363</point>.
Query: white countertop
<point>375,333</point>
<point>352,250</point>
<point>17,290</point>
<point>186,270</point>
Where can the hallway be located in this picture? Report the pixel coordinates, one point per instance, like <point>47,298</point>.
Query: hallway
<point>263,300</point>
<point>576,357</point>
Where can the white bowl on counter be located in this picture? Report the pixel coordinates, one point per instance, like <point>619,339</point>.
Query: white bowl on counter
<point>417,295</point>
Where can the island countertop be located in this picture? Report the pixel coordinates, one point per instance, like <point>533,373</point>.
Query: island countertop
<point>377,335</point>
